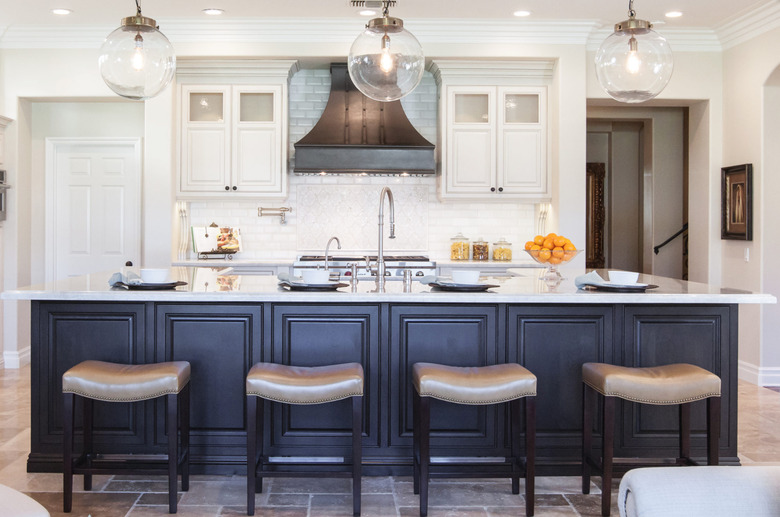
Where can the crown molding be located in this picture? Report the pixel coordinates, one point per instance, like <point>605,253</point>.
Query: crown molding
<point>285,30</point>
<point>289,30</point>
<point>764,18</point>
<point>680,40</point>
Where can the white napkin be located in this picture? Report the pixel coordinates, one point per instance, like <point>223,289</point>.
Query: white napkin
<point>129,278</point>
<point>591,278</point>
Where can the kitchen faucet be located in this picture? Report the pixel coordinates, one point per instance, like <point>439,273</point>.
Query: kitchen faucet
<point>380,259</point>
<point>327,247</point>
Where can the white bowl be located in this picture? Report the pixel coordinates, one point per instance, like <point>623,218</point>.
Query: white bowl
<point>623,277</point>
<point>155,276</point>
<point>315,276</point>
<point>465,276</point>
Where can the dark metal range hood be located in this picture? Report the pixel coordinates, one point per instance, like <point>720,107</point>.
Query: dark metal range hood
<point>357,134</point>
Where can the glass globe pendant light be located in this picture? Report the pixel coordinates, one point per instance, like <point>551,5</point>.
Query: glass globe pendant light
<point>137,60</point>
<point>386,61</point>
<point>634,64</point>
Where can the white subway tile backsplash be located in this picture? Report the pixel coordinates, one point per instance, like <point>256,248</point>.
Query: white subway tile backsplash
<point>347,206</point>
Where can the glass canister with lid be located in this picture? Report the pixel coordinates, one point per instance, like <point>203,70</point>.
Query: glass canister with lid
<point>459,247</point>
<point>480,250</point>
<point>502,250</point>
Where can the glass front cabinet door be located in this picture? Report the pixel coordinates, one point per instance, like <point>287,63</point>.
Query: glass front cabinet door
<point>232,140</point>
<point>495,142</point>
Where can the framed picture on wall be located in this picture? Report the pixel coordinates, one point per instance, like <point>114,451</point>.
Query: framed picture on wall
<point>737,202</point>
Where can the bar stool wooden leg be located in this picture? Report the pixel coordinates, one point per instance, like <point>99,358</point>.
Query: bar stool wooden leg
<point>530,454</point>
<point>514,429</point>
<point>184,414</point>
<point>67,452</point>
<point>416,441</point>
<point>252,404</point>
<point>425,452</point>
<point>713,430</point>
<point>607,446</point>
<point>171,420</point>
<point>588,403</point>
<point>685,434</point>
<point>88,438</point>
<point>357,452</point>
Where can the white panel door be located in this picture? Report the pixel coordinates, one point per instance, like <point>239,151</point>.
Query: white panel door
<point>93,205</point>
<point>521,162</point>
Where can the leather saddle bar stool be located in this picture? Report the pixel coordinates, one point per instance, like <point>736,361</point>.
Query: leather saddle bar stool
<point>484,385</point>
<point>673,384</point>
<point>111,382</point>
<point>301,385</point>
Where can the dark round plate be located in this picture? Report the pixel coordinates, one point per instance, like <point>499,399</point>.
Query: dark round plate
<point>152,287</point>
<point>620,289</point>
<point>463,288</point>
<point>312,287</point>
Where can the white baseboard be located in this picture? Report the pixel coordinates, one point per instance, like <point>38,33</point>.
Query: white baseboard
<point>15,360</point>
<point>758,375</point>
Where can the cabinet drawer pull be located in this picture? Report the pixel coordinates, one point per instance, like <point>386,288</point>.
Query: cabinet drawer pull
<point>492,189</point>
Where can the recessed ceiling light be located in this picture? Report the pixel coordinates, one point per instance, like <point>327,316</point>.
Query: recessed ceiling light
<point>521,14</point>
<point>61,12</point>
<point>674,14</point>
<point>367,12</point>
<point>213,11</point>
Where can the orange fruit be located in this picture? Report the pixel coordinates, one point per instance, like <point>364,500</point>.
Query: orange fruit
<point>535,247</point>
<point>559,241</point>
<point>551,236</point>
<point>555,260</point>
<point>548,243</point>
<point>569,247</point>
<point>544,255</point>
<point>557,252</point>
<point>539,240</point>
<point>568,255</point>
<point>529,245</point>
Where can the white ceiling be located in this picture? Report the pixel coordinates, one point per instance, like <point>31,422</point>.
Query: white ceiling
<point>698,14</point>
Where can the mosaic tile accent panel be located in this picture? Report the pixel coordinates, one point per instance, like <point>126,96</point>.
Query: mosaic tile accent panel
<point>351,212</point>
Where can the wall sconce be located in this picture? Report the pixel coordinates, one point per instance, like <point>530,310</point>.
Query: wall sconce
<point>386,61</point>
<point>137,60</point>
<point>635,63</point>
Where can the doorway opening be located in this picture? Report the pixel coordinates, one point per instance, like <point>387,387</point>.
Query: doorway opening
<point>637,167</point>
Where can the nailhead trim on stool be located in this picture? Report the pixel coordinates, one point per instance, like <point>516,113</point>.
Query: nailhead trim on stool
<point>483,385</point>
<point>112,382</point>
<point>672,384</point>
<point>302,386</point>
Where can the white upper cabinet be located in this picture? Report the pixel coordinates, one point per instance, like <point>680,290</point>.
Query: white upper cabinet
<point>233,132</point>
<point>493,134</point>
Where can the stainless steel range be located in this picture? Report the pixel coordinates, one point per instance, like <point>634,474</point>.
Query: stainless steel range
<point>395,265</point>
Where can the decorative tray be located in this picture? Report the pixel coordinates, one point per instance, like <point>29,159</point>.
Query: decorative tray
<point>151,287</point>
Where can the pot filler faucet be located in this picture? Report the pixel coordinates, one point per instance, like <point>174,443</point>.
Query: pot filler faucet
<point>380,258</point>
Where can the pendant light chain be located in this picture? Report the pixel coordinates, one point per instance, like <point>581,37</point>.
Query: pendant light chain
<point>631,12</point>
<point>138,7</point>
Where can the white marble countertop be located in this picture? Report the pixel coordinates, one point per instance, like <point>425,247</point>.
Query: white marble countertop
<point>205,284</point>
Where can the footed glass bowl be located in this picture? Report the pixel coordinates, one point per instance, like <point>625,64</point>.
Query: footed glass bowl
<point>552,260</point>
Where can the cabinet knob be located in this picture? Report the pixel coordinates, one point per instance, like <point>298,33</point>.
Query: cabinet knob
<point>235,188</point>
<point>227,188</point>
<point>492,189</point>
<point>500,189</point>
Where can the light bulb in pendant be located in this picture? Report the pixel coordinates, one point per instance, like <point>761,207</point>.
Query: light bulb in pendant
<point>386,60</point>
<point>138,53</point>
<point>633,62</point>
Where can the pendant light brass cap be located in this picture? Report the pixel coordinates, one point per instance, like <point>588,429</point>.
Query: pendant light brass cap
<point>385,24</point>
<point>633,24</point>
<point>139,20</point>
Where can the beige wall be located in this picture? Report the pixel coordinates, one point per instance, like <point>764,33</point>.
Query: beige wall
<point>750,135</point>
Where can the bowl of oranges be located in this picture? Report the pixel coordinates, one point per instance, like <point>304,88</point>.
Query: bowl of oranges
<point>551,250</point>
